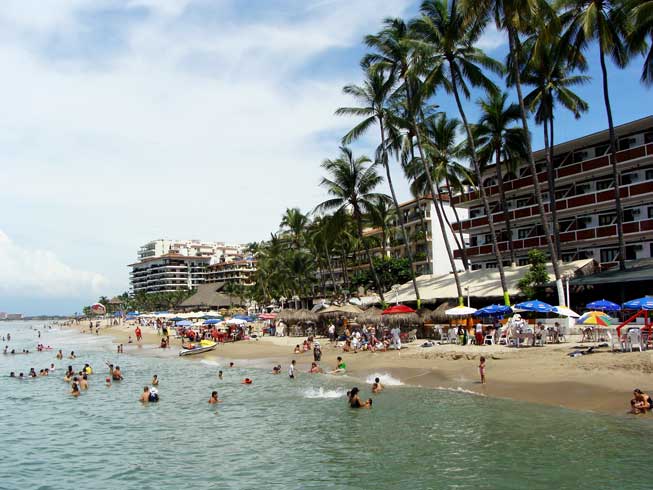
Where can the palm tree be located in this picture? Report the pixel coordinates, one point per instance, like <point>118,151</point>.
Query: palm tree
<point>295,223</point>
<point>641,11</point>
<point>351,184</point>
<point>394,55</point>
<point>498,141</point>
<point>374,97</point>
<point>548,70</point>
<point>517,16</point>
<point>381,216</point>
<point>448,39</point>
<point>604,21</point>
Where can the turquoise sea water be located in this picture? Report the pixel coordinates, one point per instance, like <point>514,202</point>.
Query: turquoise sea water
<point>280,433</point>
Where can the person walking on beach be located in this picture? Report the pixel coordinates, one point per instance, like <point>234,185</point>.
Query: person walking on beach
<point>396,338</point>
<point>139,334</point>
<point>332,332</point>
<point>291,369</point>
<point>481,369</point>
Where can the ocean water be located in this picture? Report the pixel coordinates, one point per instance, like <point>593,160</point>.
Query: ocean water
<point>290,434</point>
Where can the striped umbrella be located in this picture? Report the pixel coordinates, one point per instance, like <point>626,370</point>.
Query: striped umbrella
<point>597,318</point>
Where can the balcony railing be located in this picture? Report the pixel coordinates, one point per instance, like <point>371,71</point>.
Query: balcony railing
<point>574,169</point>
<point>596,233</point>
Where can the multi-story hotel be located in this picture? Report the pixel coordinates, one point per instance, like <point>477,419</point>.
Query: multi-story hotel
<point>584,196</point>
<point>424,235</point>
<point>240,270</point>
<point>168,265</point>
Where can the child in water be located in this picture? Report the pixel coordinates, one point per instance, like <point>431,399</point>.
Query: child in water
<point>481,369</point>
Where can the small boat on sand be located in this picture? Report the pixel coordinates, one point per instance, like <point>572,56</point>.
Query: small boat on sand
<point>202,346</point>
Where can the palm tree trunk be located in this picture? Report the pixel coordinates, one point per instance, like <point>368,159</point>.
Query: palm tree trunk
<point>481,188</point>
<point>359,222</point>
<point>400,215</point>
<point>551,181</point>
<point>504,206</point>
<point>516,56</point>
<point>330,266</point>
<point>427,170</point>
<point>446,218</point>
<point>345,274</point>
<point>613,158</point>
<point>425,230</point>
<point>463,245</point>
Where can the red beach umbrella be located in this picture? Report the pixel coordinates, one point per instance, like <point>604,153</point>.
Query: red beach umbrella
<point>394,310</point>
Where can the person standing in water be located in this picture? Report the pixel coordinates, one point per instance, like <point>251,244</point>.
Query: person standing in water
<point>59,355</point>
<point>155,380</point>
<point>145,396</point>
<point>377,387</point>
<point>481,369</point>
<point>214,398</point>
<point>220,374</point>
<point>291,369</point>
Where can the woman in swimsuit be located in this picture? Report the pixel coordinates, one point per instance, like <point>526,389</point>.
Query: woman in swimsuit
<point>354,399</point>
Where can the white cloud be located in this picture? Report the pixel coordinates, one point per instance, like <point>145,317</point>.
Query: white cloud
<point>41,274</point>
<point>169,125</point>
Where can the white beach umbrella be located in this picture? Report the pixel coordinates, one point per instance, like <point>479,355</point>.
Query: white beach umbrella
<point>460,311</point>
<point>564,311</point>
<point>236,321</point>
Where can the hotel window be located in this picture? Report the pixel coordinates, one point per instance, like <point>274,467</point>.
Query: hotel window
<point>583,222</point>
<point>631,214</point>
<point>627,179</point>
<point>476,267</point>
<point>522,262</point>
<point>607,219</point>
<point>603,184</point>
<point>626,143</point>
<point>650,212</point>
<point>522,202</point>
<point>523,233</point>
<point>491,265</point>
<point>648,137</point>
<point>601,150</point>
<point>631,251</point>
<point>524,171</point>
<point>649,175</point>
<point>582,189</point>
<point>609,254</point>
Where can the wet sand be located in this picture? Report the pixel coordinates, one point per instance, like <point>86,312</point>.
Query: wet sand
<point>601,382</point>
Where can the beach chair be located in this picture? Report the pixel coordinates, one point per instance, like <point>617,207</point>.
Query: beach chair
<point>612,340</point>
<point>541,339</point>
<point>452,336</point>
<point>412,335</point>
<point>489,339</point>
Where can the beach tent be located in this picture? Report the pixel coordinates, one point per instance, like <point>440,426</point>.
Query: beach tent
<point>564,311</point>
<point>460,311</point>
<point>534,305</point>
<point>603,305</point>
<point>494,310</point>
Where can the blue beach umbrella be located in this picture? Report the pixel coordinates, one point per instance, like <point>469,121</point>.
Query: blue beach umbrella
<point>184,323</point>
<point>494,310</point>
<point>212,321</point>
<point>645,303</point>
<point>534,305</point>
<point>603,305</point>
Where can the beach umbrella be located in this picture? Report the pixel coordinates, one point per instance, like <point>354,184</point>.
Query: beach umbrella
<point>645,303</point>
<point>98,309</point>
<point>236,321</point>
<point>604,305</point>
<point>395,310</point>
<point>597,318</point>
<point>267,316</point>
<point>564,311</point>
<point>460,311</point>
<point>212,321</point>
<point>494,310</point>
<point>533,305</point>
<point>176,319</point>
<point>184,323</point>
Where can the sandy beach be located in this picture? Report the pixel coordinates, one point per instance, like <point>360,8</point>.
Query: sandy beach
<point>601,382</point>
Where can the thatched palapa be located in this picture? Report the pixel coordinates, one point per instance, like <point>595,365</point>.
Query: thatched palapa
<point>295,316</point>
<point>438,315</point>
<point>401,319</point>
<point>334,311</point>
<point>371,315</point>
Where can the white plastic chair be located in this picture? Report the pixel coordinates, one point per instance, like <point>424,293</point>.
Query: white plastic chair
<point>634,339</point>
<point>489,339</point>
<point>453,336</point>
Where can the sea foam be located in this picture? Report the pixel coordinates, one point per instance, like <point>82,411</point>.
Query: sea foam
<point>386,379</point>
<point>322,393</point>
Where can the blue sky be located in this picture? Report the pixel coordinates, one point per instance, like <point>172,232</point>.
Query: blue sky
<point>128,121</point>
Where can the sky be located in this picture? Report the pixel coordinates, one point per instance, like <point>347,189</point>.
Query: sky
<point>128,121</point>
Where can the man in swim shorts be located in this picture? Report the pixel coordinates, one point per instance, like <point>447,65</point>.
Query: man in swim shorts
<point>291,370</point>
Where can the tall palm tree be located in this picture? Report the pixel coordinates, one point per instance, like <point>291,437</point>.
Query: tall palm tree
<point>373,96</point>
<point>394,54</point>
<point>295,223</point>
<point>549,69</point>
<point>516,16</point>
<point>498,140</point>
<point>603,21</point>
<point>641,11</point>
<point>447,39</point>
<point>351,184</point>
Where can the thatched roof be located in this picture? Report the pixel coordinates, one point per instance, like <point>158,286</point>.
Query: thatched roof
<point>371,315</point>
<point>344,310</point>
<point>209,295</point>
<point>295,316</point>
<point>401,319</point>
<point>426,315</point>
<point>438,315</point>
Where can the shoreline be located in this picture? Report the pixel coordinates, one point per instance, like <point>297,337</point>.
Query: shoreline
<point>601,382</point>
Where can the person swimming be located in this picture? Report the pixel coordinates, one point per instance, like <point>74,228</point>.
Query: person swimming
<point>117,374</point>
<point>315,369</point>
<point>377,387</point>
<point>155,380</point>
<point>72,355</point>
<point>354,399</point>
<point>83,383</point>
<point>154,395</point>
<point>214,398</point>
<point>247,381</point>
<point>276,369</point>
<point>75,390</point>
<point>641,402</point>
<point>145,396</point>
<point>220,374</point>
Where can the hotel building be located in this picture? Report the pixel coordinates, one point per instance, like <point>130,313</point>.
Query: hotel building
<point>169,265</point>
<point>584,197</point>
